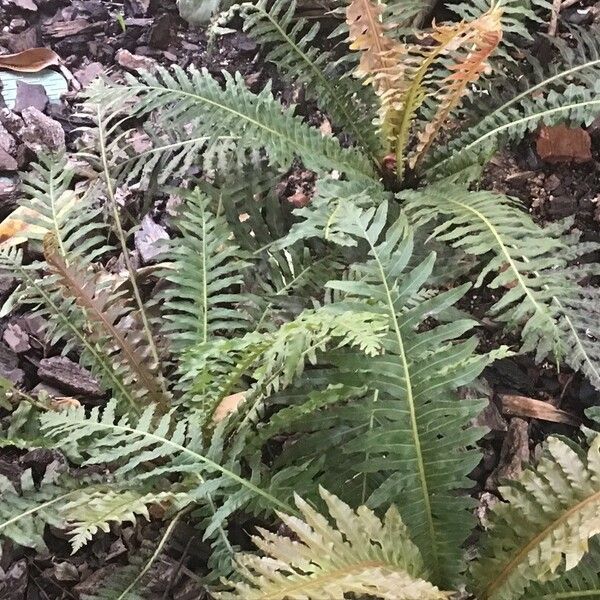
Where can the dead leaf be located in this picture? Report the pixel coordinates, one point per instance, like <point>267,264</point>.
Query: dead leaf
<point>522,406</point>
<point>564,144</point>
<point>29,61</point>
<point>227,406</point>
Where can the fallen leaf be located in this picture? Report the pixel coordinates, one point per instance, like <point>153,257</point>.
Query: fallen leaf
<point>29,61</point>
<point>227,406</point>
<point>564,144</point>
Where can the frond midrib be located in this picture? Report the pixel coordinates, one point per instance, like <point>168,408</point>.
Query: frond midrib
<point>330,576</point>
<point>435,567</point>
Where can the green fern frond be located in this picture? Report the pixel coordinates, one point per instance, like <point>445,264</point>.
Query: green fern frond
<point>555,508</point>
<point>523,255</point>
<point>198,102</point>
<point>290,44</point>
<point>272,360</point>
<point>205,271</point>
<point>132,447</point>
<point>26,509</point>
<point>363,556</point>
<point>416,419</point>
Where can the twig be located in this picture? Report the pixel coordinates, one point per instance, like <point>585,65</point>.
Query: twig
<point>553,26</point>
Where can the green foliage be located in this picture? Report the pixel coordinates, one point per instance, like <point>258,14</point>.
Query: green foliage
<point>555,510</point>
<point>286,349</point>
<point>371,557</point>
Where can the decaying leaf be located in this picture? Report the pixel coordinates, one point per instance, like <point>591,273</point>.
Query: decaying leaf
<point>564,144</point>
<point>227,406</point>
<point>30,61</point>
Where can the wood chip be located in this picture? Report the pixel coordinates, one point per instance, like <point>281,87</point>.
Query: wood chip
<point>564,144</point>
<point>30,61</point>
<point>522,406</point>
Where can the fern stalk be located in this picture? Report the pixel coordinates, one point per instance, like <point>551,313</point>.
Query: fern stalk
<point>125,250</point>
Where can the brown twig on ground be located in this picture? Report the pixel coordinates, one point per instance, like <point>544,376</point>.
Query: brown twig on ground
<point>522,406</point>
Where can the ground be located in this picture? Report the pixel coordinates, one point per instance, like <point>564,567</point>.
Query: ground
<point>95,37</point>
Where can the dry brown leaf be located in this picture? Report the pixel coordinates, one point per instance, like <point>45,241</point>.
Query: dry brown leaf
<point>29,61</point>
<point>227,406</point>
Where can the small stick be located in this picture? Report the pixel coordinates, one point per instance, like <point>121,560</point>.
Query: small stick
<point>553,26</point>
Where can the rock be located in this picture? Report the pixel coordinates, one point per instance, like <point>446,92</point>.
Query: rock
<point>7,162</point>
<point>138,8</point>
<point>552,183</point>
<point>243,43</point>
<point>11,121</point>
<point>87,74</point>
<point>41,132</point>
<point>135,62</point>
<point>30,95</point>
<point>25,40</point>
<point>9,366</point>
<point>564,144</point>
<point>7,141</point>
<point>16,338</point>
<point>24,4</point>
<point>148,240</point>
<point>63,373</point>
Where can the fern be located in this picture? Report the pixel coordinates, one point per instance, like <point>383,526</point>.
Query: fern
<point>405,438</point>
<point>362,555</point>
<point>25,509</point>
<point>89,513</point>
<point>291,47</point>
<point>541,296</point>
<point>203,270</point>
<point>555,510</point>
<point>196,100</point>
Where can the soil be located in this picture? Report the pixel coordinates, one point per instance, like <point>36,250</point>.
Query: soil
<point>94,37</point>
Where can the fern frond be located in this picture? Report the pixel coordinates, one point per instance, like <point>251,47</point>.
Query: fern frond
<point>25,511</point>
<point>523,255</point>
<point>67,323</point>
<point>478,43</point>
<point>106,316</point>
<point>86,514</point>
<point>133,447</point>
<point>204,270</point>
<point>197,101</point>
<point>290,45</point>
<point>556,510</point>
<point>417,421</point>
<point>272,360</point>
<point>365,556</point>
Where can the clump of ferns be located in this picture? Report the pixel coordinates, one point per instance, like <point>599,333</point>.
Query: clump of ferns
<point>311,333</point>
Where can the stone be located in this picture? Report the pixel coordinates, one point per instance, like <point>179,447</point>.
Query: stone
<point>87,74</point>
<point>30,95</point>
<point>135,62</point>
<point>149,240</point>
<point>7,162</point>
<point>564,144</point>
<point>67,375</point>
<point>41,132</point>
